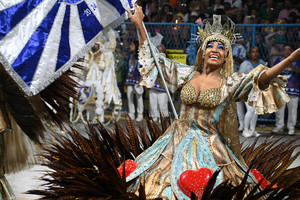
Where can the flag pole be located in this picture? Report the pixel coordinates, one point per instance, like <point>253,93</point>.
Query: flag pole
<point>160,72</point>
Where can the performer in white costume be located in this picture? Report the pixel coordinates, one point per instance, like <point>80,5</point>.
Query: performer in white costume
<point>158,98</point>
<point>99,85</point>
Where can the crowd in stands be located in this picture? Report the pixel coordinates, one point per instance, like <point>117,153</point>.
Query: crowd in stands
<point>270,39</point>
<point>195,11</point>
<point>269,45</point>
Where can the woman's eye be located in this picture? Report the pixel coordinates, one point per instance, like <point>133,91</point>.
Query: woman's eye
<point>221,46</point>
<point>210,45</point>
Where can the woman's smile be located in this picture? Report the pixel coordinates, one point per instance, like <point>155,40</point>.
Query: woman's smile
<point>214,57</point>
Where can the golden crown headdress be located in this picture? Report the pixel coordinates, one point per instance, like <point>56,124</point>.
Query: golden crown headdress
<point>217,31</point>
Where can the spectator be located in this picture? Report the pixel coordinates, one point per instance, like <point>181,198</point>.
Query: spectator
<point>271,17</point>
<point>218,5</point>
<point>254,15</point>
<point>151,7</point>
<point>167,7</point>
<point>250,4</point>
<point>178,33</point>
<point>292,18</point>
<point>235,3</point>
<point>292,89</point>
<point>132,83</point>
<point>167,13</point>
<point>275,42</point>
<point>250,116</point>
<point>238,52</point>
<point>194,6</point>
<point>179,18</point>
<point>155,17</point>
<point>263,50</point>
<point>239,17</point>
<point>246,9</point>
<point>158,98</point>
<point>288,8</point>
<point>239,56</point>
<point>267,6</point>
<point>154,36</point>
<point>257,5</point>
<point>193,17</point>
<point>183,8</point>
<point>247,31</point>
<point>227,8</point>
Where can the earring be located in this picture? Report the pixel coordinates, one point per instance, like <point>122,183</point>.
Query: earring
<point>222,71</point>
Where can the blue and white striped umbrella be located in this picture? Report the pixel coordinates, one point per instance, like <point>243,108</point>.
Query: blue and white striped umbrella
<point>41,39</point>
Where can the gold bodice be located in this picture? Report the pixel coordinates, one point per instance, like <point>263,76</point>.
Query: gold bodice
<point>208,99</point>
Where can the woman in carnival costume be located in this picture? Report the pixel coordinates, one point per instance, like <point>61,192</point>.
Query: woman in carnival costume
<point>206,134</point>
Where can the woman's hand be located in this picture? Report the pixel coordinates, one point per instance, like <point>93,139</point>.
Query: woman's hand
<point>137,18</point>
<point>271,73</point>
<point>138,15</point>
<point>295,55</point>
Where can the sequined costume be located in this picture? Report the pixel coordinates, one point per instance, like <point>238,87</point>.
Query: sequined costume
<point>206,134</point>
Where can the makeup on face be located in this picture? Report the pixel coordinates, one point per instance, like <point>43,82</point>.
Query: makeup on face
<point>215,53</point>
<point>211,45</point>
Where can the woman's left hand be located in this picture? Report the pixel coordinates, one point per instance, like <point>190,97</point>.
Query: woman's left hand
<point>295,55</point>
<point>138,15</point>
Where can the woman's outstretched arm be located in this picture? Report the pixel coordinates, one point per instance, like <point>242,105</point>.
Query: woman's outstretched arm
<point>271,73</point>
<point>137,18</point>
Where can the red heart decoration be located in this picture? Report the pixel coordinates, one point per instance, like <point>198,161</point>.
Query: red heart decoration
<point>194,181</point>
<point>259,177</point>
<point>130,166</point>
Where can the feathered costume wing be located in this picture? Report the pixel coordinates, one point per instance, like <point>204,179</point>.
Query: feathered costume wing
<point>23,114</point>
<point>39,41</point>
<point>85,167</point>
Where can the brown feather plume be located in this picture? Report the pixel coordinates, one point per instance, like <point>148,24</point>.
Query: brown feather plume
<point>14,101</point>
<point>86,167</point>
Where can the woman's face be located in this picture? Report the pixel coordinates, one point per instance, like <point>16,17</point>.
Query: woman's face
<point>214,54</point>
<point>239,18</point>
<point>247,20</point>
<point>245,9</point>
<point>287,50</point>
<point>254,53</point>
<point>132,47</point>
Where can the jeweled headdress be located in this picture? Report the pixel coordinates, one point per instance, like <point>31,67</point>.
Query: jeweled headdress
<point>215,31</point>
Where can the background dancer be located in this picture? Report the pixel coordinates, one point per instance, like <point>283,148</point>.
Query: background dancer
<point>134,90</point>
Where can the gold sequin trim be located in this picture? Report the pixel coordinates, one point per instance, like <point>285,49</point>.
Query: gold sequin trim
<point>208,99</point>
